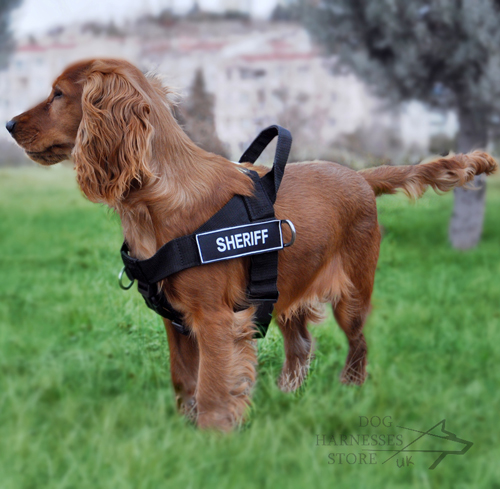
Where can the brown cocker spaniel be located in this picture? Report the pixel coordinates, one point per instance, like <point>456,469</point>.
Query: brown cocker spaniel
<point>130,153</point>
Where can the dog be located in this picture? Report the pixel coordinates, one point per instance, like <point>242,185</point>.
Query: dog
<point>129,153</point>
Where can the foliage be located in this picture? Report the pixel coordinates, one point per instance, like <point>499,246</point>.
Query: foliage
<point>288,13</point>
<point>376,142</point>
<point>196,115</point>
<point>442,144</point>
<point>86,399</point>
<point>444,53</point>
<point>109,29</point>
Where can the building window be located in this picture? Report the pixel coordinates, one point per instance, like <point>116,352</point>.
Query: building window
<point>249,73</point>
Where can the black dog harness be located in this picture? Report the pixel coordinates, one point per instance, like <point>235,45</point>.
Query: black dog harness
<point>245,226</point>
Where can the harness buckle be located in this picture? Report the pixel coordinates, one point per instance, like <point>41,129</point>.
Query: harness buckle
<point>292,229</point>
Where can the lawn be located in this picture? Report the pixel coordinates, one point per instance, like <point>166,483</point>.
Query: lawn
<point>85,394</point>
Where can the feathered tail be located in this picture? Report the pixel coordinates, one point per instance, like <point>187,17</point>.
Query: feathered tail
<point>442,174</point>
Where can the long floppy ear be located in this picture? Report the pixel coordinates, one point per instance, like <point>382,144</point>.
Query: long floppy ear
<point>112,147</point>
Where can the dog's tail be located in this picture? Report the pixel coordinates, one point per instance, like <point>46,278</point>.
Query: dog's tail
<point>442,174</point>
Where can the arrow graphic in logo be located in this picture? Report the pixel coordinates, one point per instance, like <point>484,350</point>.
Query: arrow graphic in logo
<point>432,441</point>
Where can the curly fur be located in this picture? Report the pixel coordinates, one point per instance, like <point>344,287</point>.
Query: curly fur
<point>442,174</point>
<point>113,144</point>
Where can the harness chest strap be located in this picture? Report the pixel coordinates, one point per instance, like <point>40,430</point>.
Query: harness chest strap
<point>245,226</point>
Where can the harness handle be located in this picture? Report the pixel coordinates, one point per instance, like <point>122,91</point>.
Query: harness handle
<point>272,180</point>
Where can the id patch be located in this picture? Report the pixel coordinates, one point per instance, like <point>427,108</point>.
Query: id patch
<point>249,239</point>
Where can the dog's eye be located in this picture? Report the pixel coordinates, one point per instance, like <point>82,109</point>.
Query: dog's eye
<point>58,94</point>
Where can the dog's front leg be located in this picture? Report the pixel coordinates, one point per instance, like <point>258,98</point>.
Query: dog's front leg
<point>227,367</point>
<point>184,361</point>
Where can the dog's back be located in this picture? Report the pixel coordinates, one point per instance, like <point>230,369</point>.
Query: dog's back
<point>334,212</point>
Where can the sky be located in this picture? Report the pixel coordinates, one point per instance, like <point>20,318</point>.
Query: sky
<point>35,16</point>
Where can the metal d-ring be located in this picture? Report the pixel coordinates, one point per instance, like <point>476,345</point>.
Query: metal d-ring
<point>292,229</point>
<point>120,277</point>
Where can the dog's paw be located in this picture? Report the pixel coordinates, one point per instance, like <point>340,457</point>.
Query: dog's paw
<point>187,406</point>
<point>352,376</point>
<point>217,421</point>
<point>291,379</point>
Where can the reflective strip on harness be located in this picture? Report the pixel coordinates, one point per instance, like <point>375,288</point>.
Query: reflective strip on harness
<point>237,241</point>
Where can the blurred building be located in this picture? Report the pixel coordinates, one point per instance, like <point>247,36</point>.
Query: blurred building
<point>35,64</point>
<point>260,73</point>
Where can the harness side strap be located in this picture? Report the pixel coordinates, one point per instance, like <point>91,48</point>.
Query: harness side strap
<point>155,299</point>
<point>176,255</point>
<point>181,253</point>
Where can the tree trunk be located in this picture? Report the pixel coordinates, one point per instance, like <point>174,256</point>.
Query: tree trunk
<point>468,211</point>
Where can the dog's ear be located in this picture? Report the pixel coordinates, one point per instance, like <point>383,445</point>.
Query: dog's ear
<point>112,147</point>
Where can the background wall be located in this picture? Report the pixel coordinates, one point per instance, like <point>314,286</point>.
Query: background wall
<point>258,71</point>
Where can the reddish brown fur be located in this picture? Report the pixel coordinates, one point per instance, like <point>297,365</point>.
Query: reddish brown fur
<point>130,153</point>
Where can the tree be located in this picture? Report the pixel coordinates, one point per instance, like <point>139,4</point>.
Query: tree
<point>6,42</point>
<point>282,13</point>
<point>196,115</point>
<point>444,53</point>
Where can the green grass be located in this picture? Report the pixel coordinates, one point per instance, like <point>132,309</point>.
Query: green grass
<point>85,393</point>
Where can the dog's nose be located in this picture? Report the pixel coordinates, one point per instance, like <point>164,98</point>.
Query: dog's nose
<point>10,126</point>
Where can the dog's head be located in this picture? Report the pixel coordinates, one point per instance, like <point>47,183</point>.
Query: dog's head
<point>97,113</point>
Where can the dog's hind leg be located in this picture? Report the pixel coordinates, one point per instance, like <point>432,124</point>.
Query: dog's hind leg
<point>298,349</point>
<point>184,360</point>
<point>353,304</point>
<point>350,313</point>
